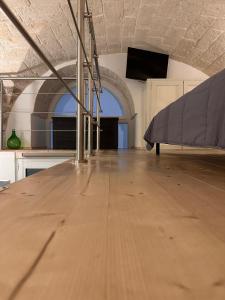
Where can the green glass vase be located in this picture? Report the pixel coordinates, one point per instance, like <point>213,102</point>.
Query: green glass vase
<point>14,142</point>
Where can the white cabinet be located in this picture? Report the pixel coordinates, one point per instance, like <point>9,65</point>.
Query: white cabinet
<point>8,166</point>
<point>25,163</point>
<point>14,164</point>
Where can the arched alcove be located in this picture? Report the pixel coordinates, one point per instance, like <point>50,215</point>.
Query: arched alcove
<point>45,105</point>
<point>110,105</point>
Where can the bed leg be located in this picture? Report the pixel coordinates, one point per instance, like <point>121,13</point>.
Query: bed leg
<point>157,149</point>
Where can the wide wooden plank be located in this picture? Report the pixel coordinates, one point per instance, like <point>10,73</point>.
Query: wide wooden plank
<point>126,225</point>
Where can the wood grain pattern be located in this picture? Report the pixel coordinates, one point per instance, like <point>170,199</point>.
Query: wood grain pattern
<point>125,226</point>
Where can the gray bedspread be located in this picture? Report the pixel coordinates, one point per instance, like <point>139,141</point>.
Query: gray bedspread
<point>195,119</point>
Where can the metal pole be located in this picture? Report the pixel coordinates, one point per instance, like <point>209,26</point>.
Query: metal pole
<point>98,128</point>
<point>34,78</point>
<point>38,78</point>
<point>82,44</point>
<point>25,34</point>
<point>1,115</point>
<point>80,83</point>
<point>18,94</point>
<point>90,101</point>
<point>85,118</point>
<point>92,31</point>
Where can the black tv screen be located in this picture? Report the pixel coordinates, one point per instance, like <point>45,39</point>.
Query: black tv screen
<point>143,64</point>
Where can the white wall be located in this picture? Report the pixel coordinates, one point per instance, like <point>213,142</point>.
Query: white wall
<point>179,70</point>
<point>117,64</point>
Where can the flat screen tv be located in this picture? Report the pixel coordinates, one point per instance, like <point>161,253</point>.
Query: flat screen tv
<point>142,64</point>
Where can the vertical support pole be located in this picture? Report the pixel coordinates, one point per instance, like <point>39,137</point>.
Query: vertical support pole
<point>98,121</point>
<point>90,98</point>
<point>1,115</point>
<point>80,83</point>
<point>85,117</point>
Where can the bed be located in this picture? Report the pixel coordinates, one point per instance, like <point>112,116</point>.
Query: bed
<point>195,119</point>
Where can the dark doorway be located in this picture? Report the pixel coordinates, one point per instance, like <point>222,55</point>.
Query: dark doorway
<point>64,134</point>
<point>109,133</point>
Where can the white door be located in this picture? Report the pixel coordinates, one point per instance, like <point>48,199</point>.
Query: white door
<point>164,92</point>
<point>160,93</point>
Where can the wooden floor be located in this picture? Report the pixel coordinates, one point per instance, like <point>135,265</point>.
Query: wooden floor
<point>125,226</point>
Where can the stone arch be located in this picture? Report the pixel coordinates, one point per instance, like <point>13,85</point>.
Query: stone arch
<point>47,103</point>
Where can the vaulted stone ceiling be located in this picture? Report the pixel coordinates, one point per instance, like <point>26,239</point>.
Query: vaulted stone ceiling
<point>191,31</point>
